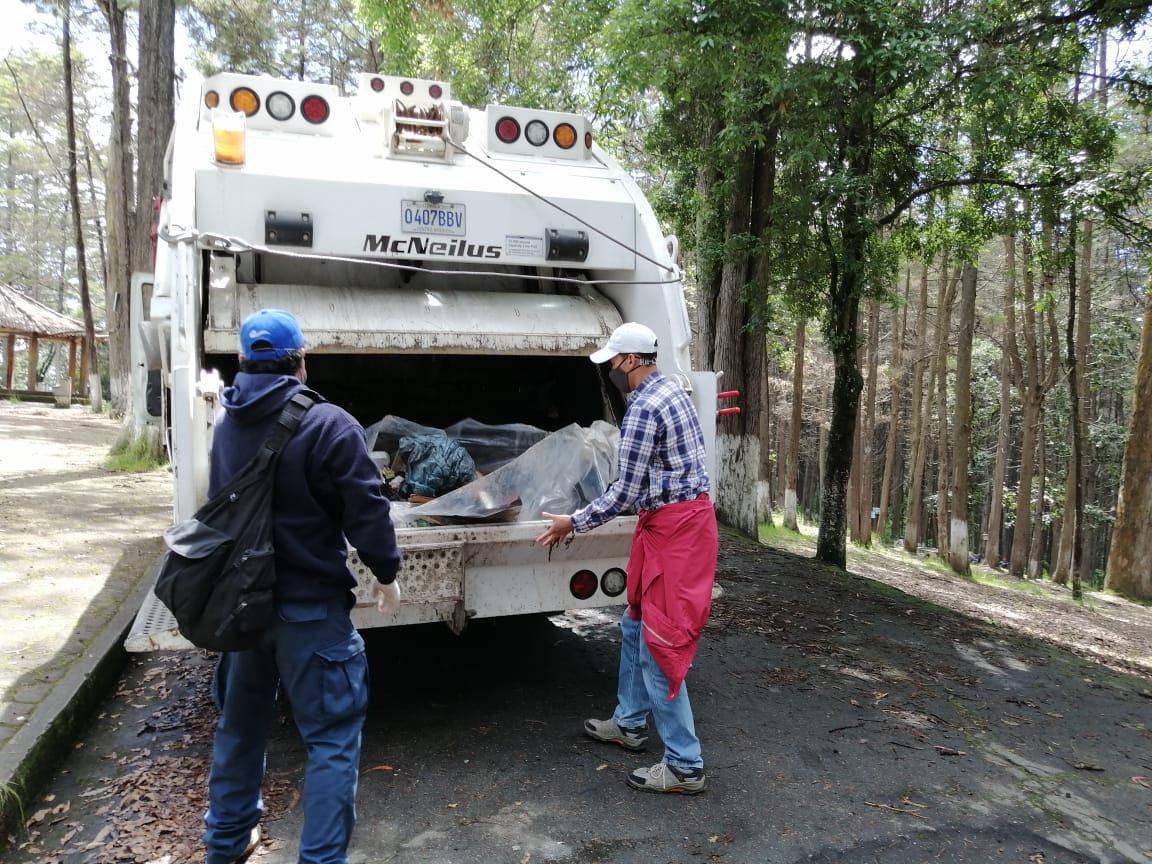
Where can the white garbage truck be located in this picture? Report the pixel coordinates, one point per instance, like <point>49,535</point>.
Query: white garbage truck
<point>447,264</point>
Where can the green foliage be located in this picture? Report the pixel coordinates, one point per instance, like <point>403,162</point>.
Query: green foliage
<point>317,40</point>
<point>497,51</point>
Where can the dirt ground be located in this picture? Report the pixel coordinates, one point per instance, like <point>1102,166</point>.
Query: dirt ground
<point>893,713</point>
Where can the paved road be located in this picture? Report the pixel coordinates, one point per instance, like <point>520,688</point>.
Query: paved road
<point>842,722</point>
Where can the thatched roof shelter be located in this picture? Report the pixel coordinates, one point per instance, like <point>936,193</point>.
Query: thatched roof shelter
<point>25,318</point>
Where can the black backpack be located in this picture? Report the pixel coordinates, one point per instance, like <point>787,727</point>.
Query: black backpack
<point>219,573</point>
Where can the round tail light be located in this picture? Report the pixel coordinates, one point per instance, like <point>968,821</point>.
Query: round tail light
<point>614,582</point>
<point>507,129</point>
<point>212,99</point>
<point>583,584</point>
<point>435,91</point>
<point>280,105</point>
<point>244,99</point>
<point>536,133</point>
<point>314,109</point>
<point>377,84</point>
<point>565,136</point>
<point>407,88</point>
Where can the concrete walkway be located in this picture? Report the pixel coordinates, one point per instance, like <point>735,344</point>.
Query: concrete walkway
<point>78,545</point>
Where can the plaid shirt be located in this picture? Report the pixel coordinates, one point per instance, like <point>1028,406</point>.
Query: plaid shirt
<point>661,454</point>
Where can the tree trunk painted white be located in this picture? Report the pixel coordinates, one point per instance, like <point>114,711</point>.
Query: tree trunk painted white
<point>737,460</point>
<point>790,510</point>
<point>958,540</point>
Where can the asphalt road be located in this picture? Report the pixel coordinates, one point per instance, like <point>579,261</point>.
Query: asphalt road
<point>841,722</point>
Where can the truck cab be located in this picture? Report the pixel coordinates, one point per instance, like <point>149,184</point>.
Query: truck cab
<point>445,263</point>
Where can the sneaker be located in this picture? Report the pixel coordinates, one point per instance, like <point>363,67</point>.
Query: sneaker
<point>608,732</point>
<point>253,842</point>
<point>663,777</point>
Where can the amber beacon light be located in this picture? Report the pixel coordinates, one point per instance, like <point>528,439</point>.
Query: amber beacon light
<point>228,136</point>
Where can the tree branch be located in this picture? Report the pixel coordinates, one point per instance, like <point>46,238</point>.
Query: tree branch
<point>957,182</point>
<point>32,123</point>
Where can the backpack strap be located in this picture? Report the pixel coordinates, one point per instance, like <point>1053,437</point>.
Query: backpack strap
<point>290,418</point>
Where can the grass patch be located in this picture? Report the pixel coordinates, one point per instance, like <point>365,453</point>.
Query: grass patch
<point>142,454</point>
<point>987,577</point>
<point>804,541</point>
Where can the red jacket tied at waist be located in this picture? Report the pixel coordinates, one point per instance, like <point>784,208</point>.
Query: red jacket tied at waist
<point>670,574</point>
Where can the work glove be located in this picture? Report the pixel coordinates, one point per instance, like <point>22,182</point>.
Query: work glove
<point>387,597</point>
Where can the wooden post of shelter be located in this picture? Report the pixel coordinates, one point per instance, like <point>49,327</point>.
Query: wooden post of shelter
<point>72,363</point>
<point>33,360</point>
<point>9,359</point>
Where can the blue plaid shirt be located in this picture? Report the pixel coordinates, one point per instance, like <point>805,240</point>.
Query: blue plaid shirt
<point>661,454</point>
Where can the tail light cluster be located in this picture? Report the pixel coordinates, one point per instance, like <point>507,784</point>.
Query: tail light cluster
<point>418,115</point>
<point>584,583</point>
<point>532,132</point>
<point>389,87</point>
<point>271,104</point>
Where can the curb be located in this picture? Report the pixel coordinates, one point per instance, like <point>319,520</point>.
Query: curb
<point>33,753</point>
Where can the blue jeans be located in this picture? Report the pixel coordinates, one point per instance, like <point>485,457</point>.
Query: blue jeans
<point>643,688</point>
<point>317,657</point>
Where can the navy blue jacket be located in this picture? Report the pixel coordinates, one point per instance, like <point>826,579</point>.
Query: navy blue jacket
<point>327,488</point>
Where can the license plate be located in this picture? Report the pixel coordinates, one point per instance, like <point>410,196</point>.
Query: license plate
<point>420,217</point>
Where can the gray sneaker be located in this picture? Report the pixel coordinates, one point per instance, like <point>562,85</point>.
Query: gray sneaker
<point>610,733</point>
<point>663,777</point>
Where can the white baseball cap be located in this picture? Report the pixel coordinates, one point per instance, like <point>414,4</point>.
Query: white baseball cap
<point>630,338</point>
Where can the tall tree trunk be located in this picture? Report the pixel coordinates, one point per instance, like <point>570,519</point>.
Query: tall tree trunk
<point>736,472</point>
<point>1030,396</point>
<point>1131,547</point>
<point>95,397</point>
<point>962,427</point>
<point>868,425</point>
<point>757,428</point>
<point>947,294</point>
<point>895,389</point>
<point>992,549</point>
<point>855,520</point>
<point>793,474</point>
<point>914,530</point>
<point>118,203</point>
<point>709,234</point>
<point>842,336</point>
<point>1076,339</point>
<point>1036,545</point>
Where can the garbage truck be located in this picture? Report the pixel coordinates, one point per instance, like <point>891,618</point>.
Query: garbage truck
<point>448,265</point>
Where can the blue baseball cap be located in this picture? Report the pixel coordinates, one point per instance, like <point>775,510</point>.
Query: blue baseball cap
<point>269,335</point>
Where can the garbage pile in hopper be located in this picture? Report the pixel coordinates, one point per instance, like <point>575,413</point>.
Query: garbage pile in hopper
<point>472,472</point>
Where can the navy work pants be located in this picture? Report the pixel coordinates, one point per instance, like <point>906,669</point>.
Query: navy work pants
<point>315,654</point>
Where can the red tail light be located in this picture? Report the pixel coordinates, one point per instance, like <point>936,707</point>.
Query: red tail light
<point>435,91</point>
<point>507,129</point>
<point>377,84</point>
<point>407,88</point>
<point>583,584</point>
<point>314,109</point>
